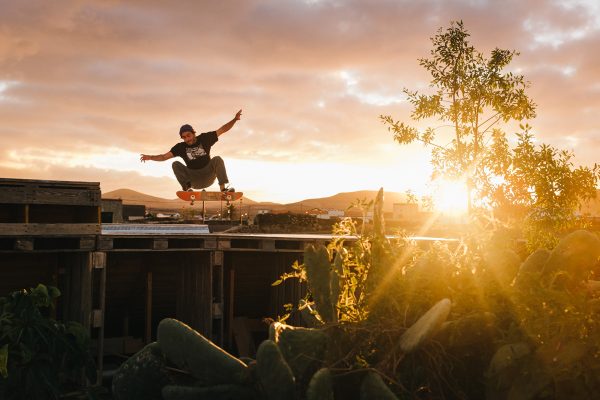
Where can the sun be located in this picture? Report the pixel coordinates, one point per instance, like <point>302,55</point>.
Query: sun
<point>450,197</point>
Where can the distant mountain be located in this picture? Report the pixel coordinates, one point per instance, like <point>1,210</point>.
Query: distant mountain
<point>129,197</point>
<point>132,197</point>
<point>340,201</point>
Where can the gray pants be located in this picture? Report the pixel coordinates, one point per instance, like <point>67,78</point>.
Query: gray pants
<point>201,178</point>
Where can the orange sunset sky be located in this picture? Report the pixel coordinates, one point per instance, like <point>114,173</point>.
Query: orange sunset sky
<point>86,86</point>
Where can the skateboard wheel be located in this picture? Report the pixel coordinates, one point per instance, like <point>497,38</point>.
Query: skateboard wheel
<point>228,197</point>
<point>193,197</point>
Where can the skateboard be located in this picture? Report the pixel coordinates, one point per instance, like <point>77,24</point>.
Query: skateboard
<point>209,196</point>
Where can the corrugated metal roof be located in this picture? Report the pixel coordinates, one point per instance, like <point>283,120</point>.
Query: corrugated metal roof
<point>154,229</point>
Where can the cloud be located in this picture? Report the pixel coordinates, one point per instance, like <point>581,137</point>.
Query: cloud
<point>87,79</point>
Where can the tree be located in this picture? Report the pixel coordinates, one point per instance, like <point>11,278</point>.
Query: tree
<point>535,186</point>
<point>472,94</point>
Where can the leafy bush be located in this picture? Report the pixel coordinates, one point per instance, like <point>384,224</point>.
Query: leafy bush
<point>467,319</point>
<point>40,358</point>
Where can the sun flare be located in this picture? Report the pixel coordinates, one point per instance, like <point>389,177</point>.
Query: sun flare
<point>450,197</point>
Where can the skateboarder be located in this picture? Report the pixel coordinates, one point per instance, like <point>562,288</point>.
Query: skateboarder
<point>200,170</point>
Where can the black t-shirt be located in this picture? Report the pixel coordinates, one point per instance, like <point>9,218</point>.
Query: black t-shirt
<point>197,155</point>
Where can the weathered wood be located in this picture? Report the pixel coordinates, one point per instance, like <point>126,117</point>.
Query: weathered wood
<point>87,243</point>
<point>48,229</point>
<point>28,191</point>
<point>224,243</point>
<point>217,257</point>
<point>99,259</point>
<point>148,308</point>
<point>85,307</point>
<point>24,244</point>
<point>218,297</point>
<point>160,244</point>
<point>51,195</point>
<point>104,243</point>
<point>204,299</point>
<point>195,293</point>
<point>97,318</point>
<point>78,298</point>
<point>14,182</point>
<point>13,213</point>
<point>267,244</point>
<point>229,308</point>
<point>99,264</point>
<point>210,243</point>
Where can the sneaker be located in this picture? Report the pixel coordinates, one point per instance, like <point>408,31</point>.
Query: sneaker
<point>228,190</point>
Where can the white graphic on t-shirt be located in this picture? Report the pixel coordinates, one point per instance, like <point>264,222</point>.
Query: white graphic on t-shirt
<point>195,152</point>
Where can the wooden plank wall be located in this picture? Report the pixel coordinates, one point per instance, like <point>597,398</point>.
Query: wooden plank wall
<point>35,207</point>
<point>25,270</point>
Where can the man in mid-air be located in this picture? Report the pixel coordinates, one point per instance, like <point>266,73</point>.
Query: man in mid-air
<point>200,170</point>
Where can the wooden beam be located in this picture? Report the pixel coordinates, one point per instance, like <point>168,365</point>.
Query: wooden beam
<point>267,244</point>
<point>229,307</point>
<point>87,243</point>
<point>99,264</point>
<point>23,244</point>
<point>148,316</point>
<point>210,243</point>
<point>218,298</point>
<point>48,229</point>
<point>202,295</point>
<point>160,244</point>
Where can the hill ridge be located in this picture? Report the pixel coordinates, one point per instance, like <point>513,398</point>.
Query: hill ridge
<point>339,201</point>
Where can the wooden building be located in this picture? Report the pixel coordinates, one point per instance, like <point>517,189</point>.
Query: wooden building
<point>112,211</point>
<point>121,281</point>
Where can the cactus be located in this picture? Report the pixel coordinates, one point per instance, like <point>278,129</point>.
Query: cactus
<point>507,356</point>
<point>142,376</point>
<point>502,265</point>
<point>335,287</point>
<point>576,253</point>
<point>373,387</point>
<point>378,221</point>
<point>425,327</point>
<point>275,329</point>
<point>274,374</point>
<point>318,273</point>
<point>320,386</point>
<point>302,348</point>
<point>217,392</point>
<point>191,351</point>
<point>531,269</point>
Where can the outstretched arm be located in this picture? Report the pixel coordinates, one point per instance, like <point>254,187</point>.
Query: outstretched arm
<point>160,157</point>
<point>230,124</point>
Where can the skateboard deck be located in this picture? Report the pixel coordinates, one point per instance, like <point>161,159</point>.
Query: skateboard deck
<point>209,196</point>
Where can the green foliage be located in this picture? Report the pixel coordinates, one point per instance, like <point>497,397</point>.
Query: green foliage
<point>319,273</point>
<point>191,351</point>
<point>320,386</point>
<point>471,94</point>
<point>535,188</point>
<point>274,374</point>
<point>539,186</point>
<point>373,387</point>
<point>461,320</point>
<point>40,358</point>
<point>142,376</point>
